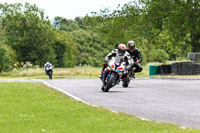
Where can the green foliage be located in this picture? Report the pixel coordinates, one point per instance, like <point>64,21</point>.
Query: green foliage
<point>65,24</point>
<point>28,33</point>
<point>33,37</point>
<point>65,49</point>
<point>91,47</point>
<point>33,107</point>
<point>144,57</point>
<point>156,55</point>
<point>168,27</point>
<point>179,18</point>
<point>6,58</point>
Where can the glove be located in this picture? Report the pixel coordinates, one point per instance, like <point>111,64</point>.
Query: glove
<point>105,64</point>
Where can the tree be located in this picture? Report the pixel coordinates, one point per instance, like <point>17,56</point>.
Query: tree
<point>28,32</point>
<point>65,24</point>
<point>92,49</point>
<point>65,49</point>
<point>82,44</point>
<point>7,55</point>
<point>180,18</point>
<point>7,58</point>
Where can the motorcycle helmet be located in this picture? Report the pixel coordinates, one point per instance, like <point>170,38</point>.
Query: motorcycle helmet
<point>131,45</point>
<point>121,49</point>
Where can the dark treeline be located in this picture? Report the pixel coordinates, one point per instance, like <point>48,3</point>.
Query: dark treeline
<point>162,30</point>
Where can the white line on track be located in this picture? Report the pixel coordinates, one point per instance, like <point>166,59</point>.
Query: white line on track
<point>70,95</point>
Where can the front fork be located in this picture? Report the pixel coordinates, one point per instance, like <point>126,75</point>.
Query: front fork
<point>105,79</point>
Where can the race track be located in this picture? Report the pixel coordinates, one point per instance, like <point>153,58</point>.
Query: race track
<point>161,100</point>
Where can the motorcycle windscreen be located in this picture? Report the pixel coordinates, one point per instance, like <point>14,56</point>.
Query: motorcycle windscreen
<point>118,60</point>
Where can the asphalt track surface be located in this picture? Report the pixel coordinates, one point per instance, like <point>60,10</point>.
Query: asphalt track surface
<point>161,100</point>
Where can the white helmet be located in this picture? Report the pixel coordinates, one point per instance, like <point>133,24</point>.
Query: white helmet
<point>121,49</point>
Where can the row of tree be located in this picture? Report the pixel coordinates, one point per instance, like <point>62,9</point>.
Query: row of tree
<point>162,30</point>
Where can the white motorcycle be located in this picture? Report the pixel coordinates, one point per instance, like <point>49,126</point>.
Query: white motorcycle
<point>49,71</point>
<point>113,73</point>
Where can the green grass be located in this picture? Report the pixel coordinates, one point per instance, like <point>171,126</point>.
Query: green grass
<point>76,72</point>
<point>35,108</point>
<point>39,73</point>
<point>80,72</point>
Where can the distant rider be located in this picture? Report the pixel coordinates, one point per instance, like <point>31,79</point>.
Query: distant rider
<point>47,66</point>
<point>136,56</point>
<point>120,51</point>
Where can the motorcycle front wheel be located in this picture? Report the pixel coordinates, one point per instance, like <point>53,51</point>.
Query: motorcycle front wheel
<point>109,84</point>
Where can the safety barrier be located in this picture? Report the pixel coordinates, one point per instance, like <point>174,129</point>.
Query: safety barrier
<point>185,68</point>
<point>177,68</point>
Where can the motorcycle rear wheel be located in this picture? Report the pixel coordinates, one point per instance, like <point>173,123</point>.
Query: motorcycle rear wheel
<point>125,82</point>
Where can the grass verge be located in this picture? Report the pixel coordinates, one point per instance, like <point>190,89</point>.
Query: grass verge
<point>76,72</point>
<point>33,108</point>
<point>80,72</point>
<point>58,73</point>
<point>39,73</point>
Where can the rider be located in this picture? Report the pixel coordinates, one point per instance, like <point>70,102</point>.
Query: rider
<point>46,66</point>
<point>120,51</point>
<point>135,55</point>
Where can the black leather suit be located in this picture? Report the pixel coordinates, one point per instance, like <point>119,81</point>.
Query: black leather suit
<point>136,56</point>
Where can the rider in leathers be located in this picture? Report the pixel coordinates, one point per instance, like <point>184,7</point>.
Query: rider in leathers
<point>120,51</point>
<point>46,66</point>
<point>136,56</point>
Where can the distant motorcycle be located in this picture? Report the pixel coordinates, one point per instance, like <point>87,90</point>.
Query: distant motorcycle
<point>49,71</point>
<point>113,73</point>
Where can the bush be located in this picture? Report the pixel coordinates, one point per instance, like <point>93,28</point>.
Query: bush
<point>144,57</point>
<point>157,55</point>
<point>7,58</point>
